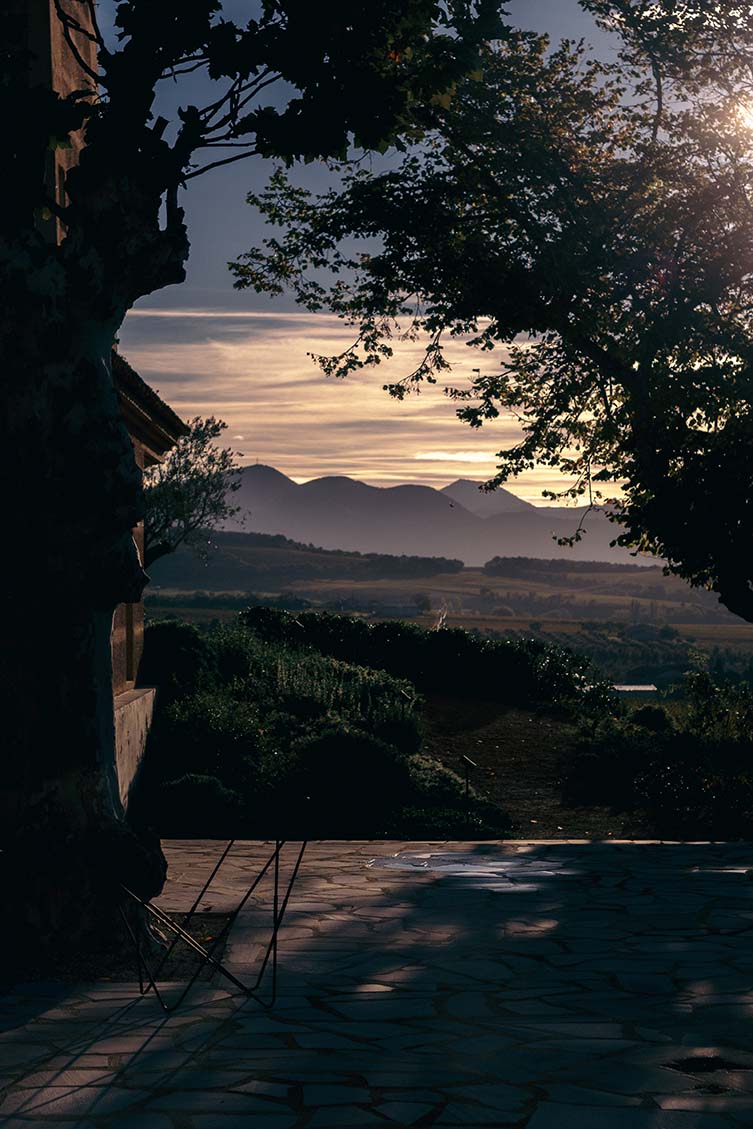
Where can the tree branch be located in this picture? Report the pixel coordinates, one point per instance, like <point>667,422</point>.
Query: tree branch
<point>95,25</point>
<point>659,99</point>
<point>218,164</point>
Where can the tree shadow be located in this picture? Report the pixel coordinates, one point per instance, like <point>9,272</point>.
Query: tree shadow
<point>581,985</point>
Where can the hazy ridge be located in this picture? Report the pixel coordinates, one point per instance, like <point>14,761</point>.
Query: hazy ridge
<point>458,521</point>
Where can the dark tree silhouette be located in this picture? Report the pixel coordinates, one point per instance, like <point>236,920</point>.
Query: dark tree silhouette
<point>90,220</point>
<point>594,223</point>
<point>190,493</point>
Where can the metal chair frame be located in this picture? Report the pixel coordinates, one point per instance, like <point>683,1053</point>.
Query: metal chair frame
<point>148,977</point>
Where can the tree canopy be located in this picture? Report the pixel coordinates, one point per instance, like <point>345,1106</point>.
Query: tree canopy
<point>593,222</point>
<point>342,75</point>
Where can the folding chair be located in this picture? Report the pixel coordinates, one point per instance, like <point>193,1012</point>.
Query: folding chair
<point>205,957</point>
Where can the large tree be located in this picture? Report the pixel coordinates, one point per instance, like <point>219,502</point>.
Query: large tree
<point>345,75</point>
<point>594,222</point>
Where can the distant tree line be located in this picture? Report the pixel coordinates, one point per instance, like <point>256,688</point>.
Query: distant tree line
<point>522,566</point>
<point>235,561</point>
<point>404,564</point>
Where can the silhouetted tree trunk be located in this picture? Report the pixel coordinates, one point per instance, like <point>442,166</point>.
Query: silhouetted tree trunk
<point>90,223</point>
<point>66,846</point>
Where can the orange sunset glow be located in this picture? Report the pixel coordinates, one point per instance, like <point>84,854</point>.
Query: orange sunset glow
<point>252,369</point>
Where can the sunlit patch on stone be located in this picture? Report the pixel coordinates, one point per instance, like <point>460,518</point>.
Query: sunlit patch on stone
<point>502,874</point>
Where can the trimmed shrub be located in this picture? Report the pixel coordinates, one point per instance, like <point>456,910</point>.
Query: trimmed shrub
<point>210,732</point>
<point>654,718</point>
<point>444,823</point>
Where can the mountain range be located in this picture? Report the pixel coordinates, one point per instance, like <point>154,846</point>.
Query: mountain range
<point>457,521</point>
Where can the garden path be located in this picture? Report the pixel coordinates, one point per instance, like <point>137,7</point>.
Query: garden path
<point>545,985</point>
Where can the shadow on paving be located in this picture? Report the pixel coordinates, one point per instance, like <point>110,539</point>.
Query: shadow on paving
<point>551,986</point>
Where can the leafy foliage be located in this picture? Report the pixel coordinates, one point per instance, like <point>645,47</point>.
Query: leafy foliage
<point>90,212</point>
<point>288,742</point>
<point>693,775</point>
<point>189,493</point>
<point>593,221</point>
<point>448,660</point>
<point>176,657</point>
<point>202,803</point>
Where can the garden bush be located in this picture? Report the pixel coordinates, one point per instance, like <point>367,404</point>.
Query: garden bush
<point>445,823</point>
<point>211,732</point>
<point>349,781</point>
<point>177,658</point>
<point>693,777</point>
<point>286,740</point>
<point>448,660</point>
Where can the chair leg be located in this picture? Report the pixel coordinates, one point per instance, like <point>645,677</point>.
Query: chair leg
<point>205,955</point>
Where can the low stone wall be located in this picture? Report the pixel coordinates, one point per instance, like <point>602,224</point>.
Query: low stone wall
<point>133,717</point>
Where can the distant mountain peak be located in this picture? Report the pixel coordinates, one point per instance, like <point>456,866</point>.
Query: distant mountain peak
<point>460,521</point>
<point>261,470</point>
<point>485,503</point>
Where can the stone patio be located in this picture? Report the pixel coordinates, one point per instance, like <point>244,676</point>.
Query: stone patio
<point>548,985</point>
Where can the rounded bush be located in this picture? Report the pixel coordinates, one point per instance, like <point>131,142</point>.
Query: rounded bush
<point>444,823</point>
<point>210,732</point>
<point>348,781</point>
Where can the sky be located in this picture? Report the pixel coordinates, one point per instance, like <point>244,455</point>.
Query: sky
<point>211,350</point>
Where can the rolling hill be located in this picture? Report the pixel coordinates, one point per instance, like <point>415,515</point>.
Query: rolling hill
<point>244,561</point>
<point>459,521</point>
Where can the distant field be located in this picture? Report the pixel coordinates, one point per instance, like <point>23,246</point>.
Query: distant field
<point>512,588</point>
<point>621,594</point>
<point>738,636</point>
<point>635,625</point>
<point>705,636</point>
<point>189,614</point>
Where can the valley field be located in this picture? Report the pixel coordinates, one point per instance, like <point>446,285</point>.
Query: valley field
<point>635,624</point>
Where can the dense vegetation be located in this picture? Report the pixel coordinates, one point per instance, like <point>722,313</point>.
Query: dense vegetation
<point>224,601</point>
<point>239,561</point>
<point>308,724</point>
<point>689,769</point>
<point>269,726</point>
<point>255,738</point>
<point>449,660</point>
<point>628,652</point>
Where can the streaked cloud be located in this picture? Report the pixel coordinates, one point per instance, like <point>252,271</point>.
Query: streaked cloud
<point>452,456</point>
<point>226,315</point>
<point>252,369</point>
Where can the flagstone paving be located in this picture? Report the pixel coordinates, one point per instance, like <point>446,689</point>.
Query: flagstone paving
<point>545,985</point>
